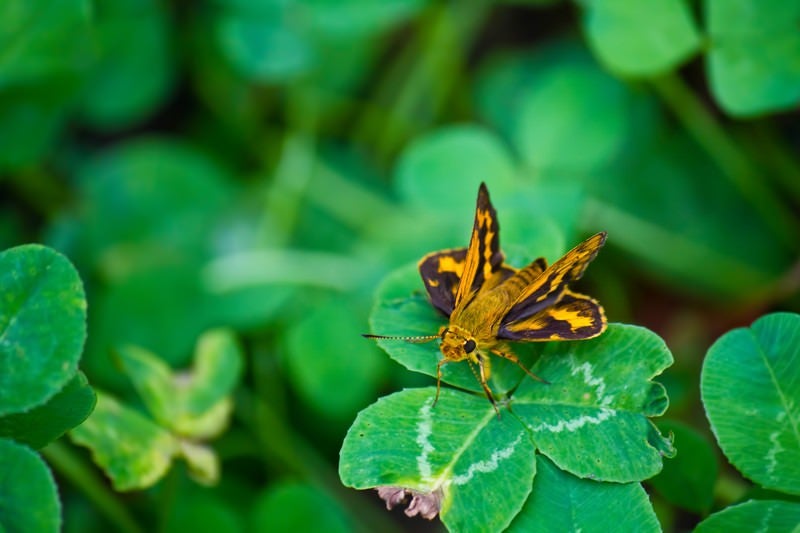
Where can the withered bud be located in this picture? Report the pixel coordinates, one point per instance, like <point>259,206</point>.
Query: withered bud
<point>425,504</point>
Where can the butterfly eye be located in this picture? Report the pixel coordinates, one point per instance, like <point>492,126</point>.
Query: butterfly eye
<point>469,346</point>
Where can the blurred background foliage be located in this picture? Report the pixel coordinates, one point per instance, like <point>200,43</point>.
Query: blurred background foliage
<point>262,164</point>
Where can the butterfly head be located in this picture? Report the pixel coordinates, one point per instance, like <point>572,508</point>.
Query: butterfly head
<point>457,344</point>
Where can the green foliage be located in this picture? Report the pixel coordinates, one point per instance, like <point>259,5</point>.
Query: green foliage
<point>133,450</point>
<point>186,409</point>
<point>561,502</point>
<point>754,60</point>
<point>312,370</point>
<point>42,330</point>
<point>641,39</point>
<point>129,77</point>
<point>43,424</point>
<point>29,494</point>
<point>257,167</point>
<point>31,31</point>
<point>752,374</point>
<point>769,515</point>
<point>459,448</point>
<point>749,387</point>
<point>43,320</point>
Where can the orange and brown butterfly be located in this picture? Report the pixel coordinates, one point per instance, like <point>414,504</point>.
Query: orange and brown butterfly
<point>490,304</point>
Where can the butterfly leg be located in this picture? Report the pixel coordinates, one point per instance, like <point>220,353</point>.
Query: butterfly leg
<point>485,372</point>
<point>438,380</point>
<point>513,358</point>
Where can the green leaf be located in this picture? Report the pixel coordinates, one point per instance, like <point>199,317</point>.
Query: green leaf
<point>27,491</point>
<point>202,461</point>
<point>194,403</point>
<point>441,171</point>
<point>42,325</point>
<point>688,478</point>
<point>592,420</point>
<point>263,48</point>
<point>324,350</point>
<point>562,502</point>
<point>39,38</point>
<point>44,424</point>
<point>131,78</point>
<point>438,175</point>
<point>149,202</point>
<point>278,42</point>
<point>152,379</point>
<point>769,515</point>
<point>453,451</point>
<point>754,60</point>
<point>750,391</point>
<point>507,77</point>
<point>216,371</point>
<point>641,38</point>
<point>133,451</point>
<point>293,506</point>
<point>134,312</point>
<point>573,118</point>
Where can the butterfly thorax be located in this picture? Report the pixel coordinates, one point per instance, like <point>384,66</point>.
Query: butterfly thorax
<point>481,317</point>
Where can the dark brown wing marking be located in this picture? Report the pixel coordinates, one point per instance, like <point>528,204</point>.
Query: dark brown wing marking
<point>574,317</point>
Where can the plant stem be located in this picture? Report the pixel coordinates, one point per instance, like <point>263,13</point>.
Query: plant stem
<point>167,497</point>
<point>68,465</point>
<point>737,167</point>
<point>293,170</point>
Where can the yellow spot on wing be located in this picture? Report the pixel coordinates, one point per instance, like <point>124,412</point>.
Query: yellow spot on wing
<point>576,320</point>
<point>449,264</point>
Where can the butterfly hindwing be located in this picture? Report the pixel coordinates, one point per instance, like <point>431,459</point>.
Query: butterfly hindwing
<point>441,273</point>
<point>573,317</point>
<point>550,287</point>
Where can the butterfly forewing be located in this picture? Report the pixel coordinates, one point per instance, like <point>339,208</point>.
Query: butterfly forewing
<point>484,259</point>
<point>452,277</point>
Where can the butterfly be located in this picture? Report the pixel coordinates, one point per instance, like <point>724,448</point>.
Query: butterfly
<point>490,304</point>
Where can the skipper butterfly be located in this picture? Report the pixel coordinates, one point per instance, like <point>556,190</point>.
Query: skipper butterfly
<point>490,304</point>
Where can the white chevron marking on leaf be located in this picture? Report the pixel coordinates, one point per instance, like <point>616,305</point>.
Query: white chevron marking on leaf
<point>598,384</point>
<point>489,465</point>
<point>575,423</point>
<point>424,431</point>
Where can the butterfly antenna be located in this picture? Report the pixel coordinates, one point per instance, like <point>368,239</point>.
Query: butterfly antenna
<point>408,338</point>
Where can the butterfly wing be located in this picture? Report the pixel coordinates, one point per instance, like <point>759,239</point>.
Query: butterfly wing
<point>484,260</point>
<point>441,273</point>
<point>452,277</point>
<point>545,309</point>
<point>574,317</point>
